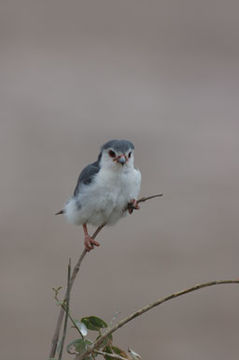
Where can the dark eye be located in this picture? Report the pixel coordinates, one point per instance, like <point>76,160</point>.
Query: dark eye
<point>129,154</point>
<point>112,154</point>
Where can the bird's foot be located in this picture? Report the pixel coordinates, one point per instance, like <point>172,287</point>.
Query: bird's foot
<point>90,243</point>
<point>133,205</point>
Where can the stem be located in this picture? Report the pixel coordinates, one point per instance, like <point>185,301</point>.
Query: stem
<point>67,301</point>
<point>148,198</point>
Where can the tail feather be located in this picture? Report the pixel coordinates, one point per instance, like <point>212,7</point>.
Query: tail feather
<point>60,212</point>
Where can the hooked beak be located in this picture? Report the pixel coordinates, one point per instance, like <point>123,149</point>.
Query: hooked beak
<point>121,159</point>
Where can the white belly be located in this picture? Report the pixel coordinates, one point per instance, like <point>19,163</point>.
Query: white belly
<point>104,200</point>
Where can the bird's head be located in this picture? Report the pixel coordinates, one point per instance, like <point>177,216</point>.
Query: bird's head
<point>117,154</point>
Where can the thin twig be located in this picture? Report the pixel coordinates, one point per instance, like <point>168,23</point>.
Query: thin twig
<point>148,198</point>
<point>149,307</point>
<point>73,276</point>
<point>131,207</point>
<point>84,252</point>
<point>63,305</point>
<point>66,306</point>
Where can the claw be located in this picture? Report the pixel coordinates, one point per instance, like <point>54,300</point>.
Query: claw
<point>90,243</point>
<point>133,205</point>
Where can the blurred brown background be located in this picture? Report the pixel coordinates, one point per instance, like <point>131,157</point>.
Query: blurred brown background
<point>163,74</point>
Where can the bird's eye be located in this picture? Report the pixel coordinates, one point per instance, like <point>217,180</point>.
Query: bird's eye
<point>129,155</point>
<point>112,154</point>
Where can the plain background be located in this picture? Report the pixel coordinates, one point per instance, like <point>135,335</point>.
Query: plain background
<point>163,74</point>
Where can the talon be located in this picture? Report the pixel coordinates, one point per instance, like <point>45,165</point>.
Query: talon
<point>90,243</point>
<point>133,205</point>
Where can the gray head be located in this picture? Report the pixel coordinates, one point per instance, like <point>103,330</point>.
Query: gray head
<point>117,152</point>
<point>118,145</point>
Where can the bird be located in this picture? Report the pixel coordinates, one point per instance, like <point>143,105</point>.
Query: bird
<point>106,190</point>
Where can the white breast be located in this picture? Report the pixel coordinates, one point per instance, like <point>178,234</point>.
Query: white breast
<point>105,198</point>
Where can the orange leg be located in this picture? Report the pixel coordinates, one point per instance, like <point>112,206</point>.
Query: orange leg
<point>89,242</point>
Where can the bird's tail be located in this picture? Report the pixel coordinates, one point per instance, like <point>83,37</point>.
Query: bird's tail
<point>60,212</point>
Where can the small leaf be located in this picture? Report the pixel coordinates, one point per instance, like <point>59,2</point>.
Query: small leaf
<point>108,350</point>
<point>94,323</point>
<point>120,352</point>
<point>79,345</point>
<point>114,351</point>
<point>134,354</point>
<point>81,326</point>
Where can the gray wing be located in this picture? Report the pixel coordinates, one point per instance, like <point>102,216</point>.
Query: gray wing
<point>87,175</point>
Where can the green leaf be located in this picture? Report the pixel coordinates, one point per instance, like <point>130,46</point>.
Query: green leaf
<point>119,351</point>
<point>94,323</point>
<point>108,350</point>
<point>79,345</point>
<point>114,350</point>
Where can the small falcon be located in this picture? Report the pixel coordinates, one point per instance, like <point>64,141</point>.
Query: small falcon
<point>106,189</point>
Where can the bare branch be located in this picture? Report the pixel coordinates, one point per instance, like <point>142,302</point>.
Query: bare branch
<point>84,252</point>
<point>66,307</point>
<point>149,307</point>
<point>131,207</point>
<point>148,198</point>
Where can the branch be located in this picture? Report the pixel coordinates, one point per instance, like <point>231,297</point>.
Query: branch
<point>84,252</point>
<point>149,307</point>
<point>73,277</point>
<point>65,307</point>
<point>131,207</point>
<point>143,199</point>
